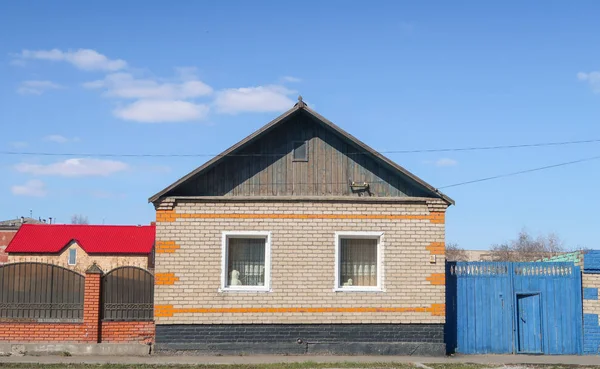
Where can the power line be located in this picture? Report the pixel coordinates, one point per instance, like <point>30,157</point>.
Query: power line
<point>522,172</point>
<point>455,149</point>
<point>500,147</point>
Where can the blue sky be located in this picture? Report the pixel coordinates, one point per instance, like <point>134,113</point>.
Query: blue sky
<point>193,77</point>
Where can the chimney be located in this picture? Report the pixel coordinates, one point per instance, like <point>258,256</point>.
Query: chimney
<point>22,220</point>
<point>50,220</point>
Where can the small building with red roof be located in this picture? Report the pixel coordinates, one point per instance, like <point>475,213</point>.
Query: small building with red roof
<point>76,247</point>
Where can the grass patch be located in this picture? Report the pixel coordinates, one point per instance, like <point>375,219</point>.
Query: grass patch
<point>301,365</point>
<point>461,366</point>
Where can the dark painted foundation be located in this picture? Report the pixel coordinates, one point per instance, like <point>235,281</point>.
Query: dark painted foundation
<point>348,339</point>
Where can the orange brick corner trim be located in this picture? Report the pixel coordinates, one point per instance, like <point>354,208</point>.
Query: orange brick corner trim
<point>438,279</point>
<point>169,311</point>
<point>166,215</point>
<point>436,248</point>
<point>165,278</point>
<point>163,310</point>
<point>438,309</point>
<point>437,217</point>
<point>166,247</point>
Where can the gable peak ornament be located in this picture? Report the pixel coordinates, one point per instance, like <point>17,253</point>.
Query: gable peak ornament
<point>300,103</point>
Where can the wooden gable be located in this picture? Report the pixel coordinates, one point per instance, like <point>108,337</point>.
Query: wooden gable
<point>327,162</point>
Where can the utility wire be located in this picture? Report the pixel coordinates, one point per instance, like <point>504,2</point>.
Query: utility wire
<point>455,149</point>
<point>522,172</point>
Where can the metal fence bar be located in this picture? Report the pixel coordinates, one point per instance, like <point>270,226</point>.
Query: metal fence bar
<point>40,292</point>
<point>128,295</point>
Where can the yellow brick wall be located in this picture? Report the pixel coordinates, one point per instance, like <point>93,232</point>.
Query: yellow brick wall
<point>591,281</point>
<point>188,262</point>
<point>83,260</point>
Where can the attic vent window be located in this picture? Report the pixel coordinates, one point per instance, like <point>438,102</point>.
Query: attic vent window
<point>72,257</point>
<point>300,151</point>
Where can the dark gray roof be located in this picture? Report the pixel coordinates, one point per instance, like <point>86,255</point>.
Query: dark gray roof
<point>16,223</point>
<point>300,105</point>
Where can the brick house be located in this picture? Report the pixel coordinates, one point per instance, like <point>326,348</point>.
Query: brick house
<point>76,247</point>
<point>8,229</point>
<point>300,239</point>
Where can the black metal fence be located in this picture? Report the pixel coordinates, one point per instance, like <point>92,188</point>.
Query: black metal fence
<point>128,294</point>
<point>40,292</point>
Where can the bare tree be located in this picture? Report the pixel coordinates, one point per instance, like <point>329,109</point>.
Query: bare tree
<point>502,252</point>
<point>455,253</point>
<point>527,248</point>
<point>79,219</point>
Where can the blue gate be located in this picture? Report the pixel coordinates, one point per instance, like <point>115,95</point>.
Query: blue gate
<point>503,308</point>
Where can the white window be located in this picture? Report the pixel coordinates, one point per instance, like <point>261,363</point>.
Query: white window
<point>72,256</point>
<point>246,264</point>
<point>358,261</point>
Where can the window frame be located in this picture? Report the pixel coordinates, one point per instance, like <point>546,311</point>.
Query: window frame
<point>225,236</point>
<point>69,257</point>
<point>305,143</point>
<point>358,235</point>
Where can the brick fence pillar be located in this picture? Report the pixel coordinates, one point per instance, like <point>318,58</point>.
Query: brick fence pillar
<point>91,303</point>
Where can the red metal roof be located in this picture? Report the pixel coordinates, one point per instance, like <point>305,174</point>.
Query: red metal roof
<point>94,239</point>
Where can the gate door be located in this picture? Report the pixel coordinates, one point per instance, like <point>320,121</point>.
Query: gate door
<point>502,308</point>
<point>529,323</point>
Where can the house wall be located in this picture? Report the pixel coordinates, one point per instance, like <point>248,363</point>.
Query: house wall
<point>301,300</point>
<point>5,237</point>
<point>83,260</point>
<point>591,303</point>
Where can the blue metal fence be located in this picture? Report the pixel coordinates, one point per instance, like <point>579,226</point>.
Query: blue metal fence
<point>502,308</point>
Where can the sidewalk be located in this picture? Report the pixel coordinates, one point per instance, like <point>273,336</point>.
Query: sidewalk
<point>264,359</point>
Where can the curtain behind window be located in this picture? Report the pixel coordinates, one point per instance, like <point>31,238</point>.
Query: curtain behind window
<point>358,261</point>
<point>247,256</point>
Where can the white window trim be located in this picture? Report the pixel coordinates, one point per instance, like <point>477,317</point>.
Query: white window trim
<point>369,235</point>
<point>224,247</point>
<point>69,257</point>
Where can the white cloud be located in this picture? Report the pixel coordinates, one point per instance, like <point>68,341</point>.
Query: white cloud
<point>60,139</point>
<point>34,187</point>
<point>593,78</point>
<point>19,144</point>
<point>270,98</point>
<point>156,111</point>
<point>290,79</point>
<point>124,85</point>
<point>79,167</point>
<point>37,87</point>
<point>18,62</point>
<point>445,162</point>
<point>85,59</point>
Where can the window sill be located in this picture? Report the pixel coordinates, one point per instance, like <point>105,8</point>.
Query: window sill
<point>245,289</point>
<point>358,289</point>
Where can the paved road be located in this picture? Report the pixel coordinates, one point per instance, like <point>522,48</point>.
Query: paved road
<point>260,359</point>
